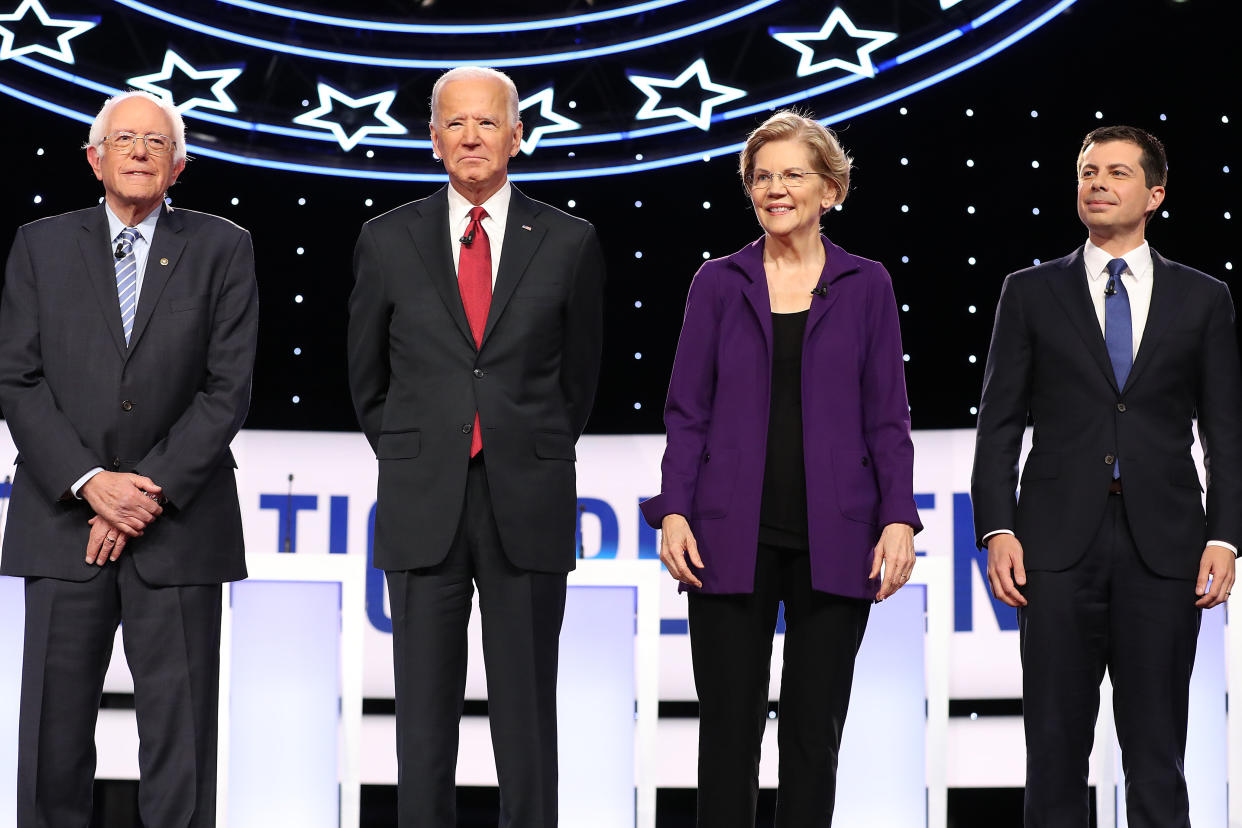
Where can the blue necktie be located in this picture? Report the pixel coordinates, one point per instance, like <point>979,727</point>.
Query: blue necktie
<point>1118,330</point>
<point>127,278</point>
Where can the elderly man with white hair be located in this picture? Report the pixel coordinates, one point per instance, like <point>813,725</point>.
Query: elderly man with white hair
<point>127,342</point>
<point>474,349</point>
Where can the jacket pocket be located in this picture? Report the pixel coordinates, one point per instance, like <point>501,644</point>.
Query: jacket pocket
<point>713,493</point>
<point>553,445</point>
<point>858,494</point>
<point>400,445</point>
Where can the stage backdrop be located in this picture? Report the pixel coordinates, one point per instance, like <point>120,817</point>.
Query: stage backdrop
<point>313,493</point>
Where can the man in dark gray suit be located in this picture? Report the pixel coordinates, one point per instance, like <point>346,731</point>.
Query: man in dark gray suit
<point>474,348</point>
<point>1114,352</point>
<point>127,340</point>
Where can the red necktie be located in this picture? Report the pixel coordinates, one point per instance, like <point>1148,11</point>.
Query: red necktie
<point>474,280</point>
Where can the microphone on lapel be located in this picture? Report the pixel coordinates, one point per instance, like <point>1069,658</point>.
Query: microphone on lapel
<point>1111,288</point>
<point>821,291</point>
<point>467,239</point>
<point>119,252</point>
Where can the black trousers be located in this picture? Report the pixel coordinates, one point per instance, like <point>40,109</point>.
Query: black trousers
<point>521,613</point>
<point>731,644</point>
<point>172,644</point>
<point>1108,611</point>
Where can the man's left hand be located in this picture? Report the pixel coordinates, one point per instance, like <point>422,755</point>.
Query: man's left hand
<point>105,542</point>
<point>1218,562</point>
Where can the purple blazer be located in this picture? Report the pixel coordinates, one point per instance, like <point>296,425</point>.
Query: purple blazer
<point>855,421</point>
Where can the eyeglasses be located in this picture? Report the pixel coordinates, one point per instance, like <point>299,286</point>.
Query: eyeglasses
<point>156,143</point>
<point>792,178</point>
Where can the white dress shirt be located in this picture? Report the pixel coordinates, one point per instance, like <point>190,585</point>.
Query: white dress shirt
<point>497,208</point>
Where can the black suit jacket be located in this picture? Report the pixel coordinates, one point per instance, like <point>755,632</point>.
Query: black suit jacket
<point>1048,360</point>
<point>76,397</point>
<point>417,379</point>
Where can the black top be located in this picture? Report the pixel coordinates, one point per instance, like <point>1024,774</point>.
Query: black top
<point>782,513</point>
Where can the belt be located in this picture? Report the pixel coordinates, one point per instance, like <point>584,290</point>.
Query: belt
<point>1114,486</point>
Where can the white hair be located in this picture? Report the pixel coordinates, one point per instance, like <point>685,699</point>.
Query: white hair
<point>99,129</point>
<point>476,73</point>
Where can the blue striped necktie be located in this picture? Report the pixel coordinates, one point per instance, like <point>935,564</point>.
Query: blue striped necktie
<point>1118,329</point>
<point>127,278</point>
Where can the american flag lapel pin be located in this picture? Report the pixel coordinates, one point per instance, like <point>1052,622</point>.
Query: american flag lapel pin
<point>525,226</point>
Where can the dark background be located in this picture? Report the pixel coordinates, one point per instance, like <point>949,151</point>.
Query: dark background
<point>1170,67</point>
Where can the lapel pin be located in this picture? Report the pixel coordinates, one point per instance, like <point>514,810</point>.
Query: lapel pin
<point>525,226</point>
<point>164,262</point>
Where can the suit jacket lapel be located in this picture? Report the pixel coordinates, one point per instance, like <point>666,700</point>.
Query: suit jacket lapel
<point>749,260</point>
<point>523,234</point>
<point>837,263</point>
<point>94,241</point>
<point>166,249</point>
<point>431,243</point>
<point>1166,301</point>
<point>1070,289</point>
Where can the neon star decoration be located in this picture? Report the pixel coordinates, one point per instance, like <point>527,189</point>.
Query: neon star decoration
<point>807,64</point>
<point>175,63</point>
<point>698,70</point>
<point>328,97</point>
<point>559,122</point>
<point>63,52</point>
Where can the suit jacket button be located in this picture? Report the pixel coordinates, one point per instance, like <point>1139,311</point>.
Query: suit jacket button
<point>116,462</point>
<point>467,428</point>
<point>1109,459</point>
<point>866,462</point>
<point>1121,407</point>
<point>126,405</point>
<point>478,373</point>
<point>707,458</point>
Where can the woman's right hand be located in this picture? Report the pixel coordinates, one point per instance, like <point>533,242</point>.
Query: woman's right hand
<point>676,543</point>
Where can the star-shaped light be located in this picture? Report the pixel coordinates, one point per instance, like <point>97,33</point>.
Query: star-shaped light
<point>559,123</point>
<point>698,70</point>
<point>948,4</point>
<point>63,52</point>
<point>348,140</point>
<point>174,62</point>
<point>862,65</point>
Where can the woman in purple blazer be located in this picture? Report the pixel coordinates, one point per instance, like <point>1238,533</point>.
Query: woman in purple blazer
<point>787,477</point>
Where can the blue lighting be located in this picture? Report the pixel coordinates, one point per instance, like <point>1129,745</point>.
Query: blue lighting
<point>416,63</point>
<point>440,29</point>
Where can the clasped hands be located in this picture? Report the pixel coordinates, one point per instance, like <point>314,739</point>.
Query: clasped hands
<point>894,554</point>
<point>125,505</point>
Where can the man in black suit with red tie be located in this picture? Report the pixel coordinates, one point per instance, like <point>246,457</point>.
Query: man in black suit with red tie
<point>474,348</point>
<point>1113,352</point>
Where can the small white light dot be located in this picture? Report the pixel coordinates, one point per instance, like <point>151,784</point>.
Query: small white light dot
<point>971,209</point>
<point>971,309</point>
<point>905,308</point>
<point>970,113</point>
<point>970,162</point>
<point>971,260</point>
<point>1035,261</point>
<point>572,203</point>
<point>572,104</point>
<point>1034,211</point>
<point>368,202</point>
<point>974,410</point>
<point>302,201</point>
<point>1034,113</point>
<point>905,260</point>
<point>771,714</point>
<point>298,298</point>
<point>971,359</point>
<point>572,154</point>
<point>235,201</point>
<point>638,254</point>
<point>905,357</point>
<point>1035,165</point>
<point>903,110</point>
<point>1227,214</point>
<point>638,204</point>
<point>1164,213</point>
<point>638,355</point>
<point>707,205</point>
<point>305,102</point>
<point>638,303</point>
<point>707,158</point>
<point>370,153</point>
<point>706,255</point>
<point>905,208</point>
<point>837,208</point>
<point>1098,114</point>
<point>301,250</point>
<point>296,399</point>
<point>1164,117</point>
<point>1224,119</point>
<point>1225,169</point>
<point>637,406</point>
<point>297,351</point>
<point>905,161</point>
<point>38,199</point>
<point>1228,265</point>
<point>638,156</point>
<point>39,151</point>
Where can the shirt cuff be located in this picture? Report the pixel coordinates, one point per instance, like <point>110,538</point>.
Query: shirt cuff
<point>76,487</point>
<point>1228,546</point>
<point>996,532</point>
